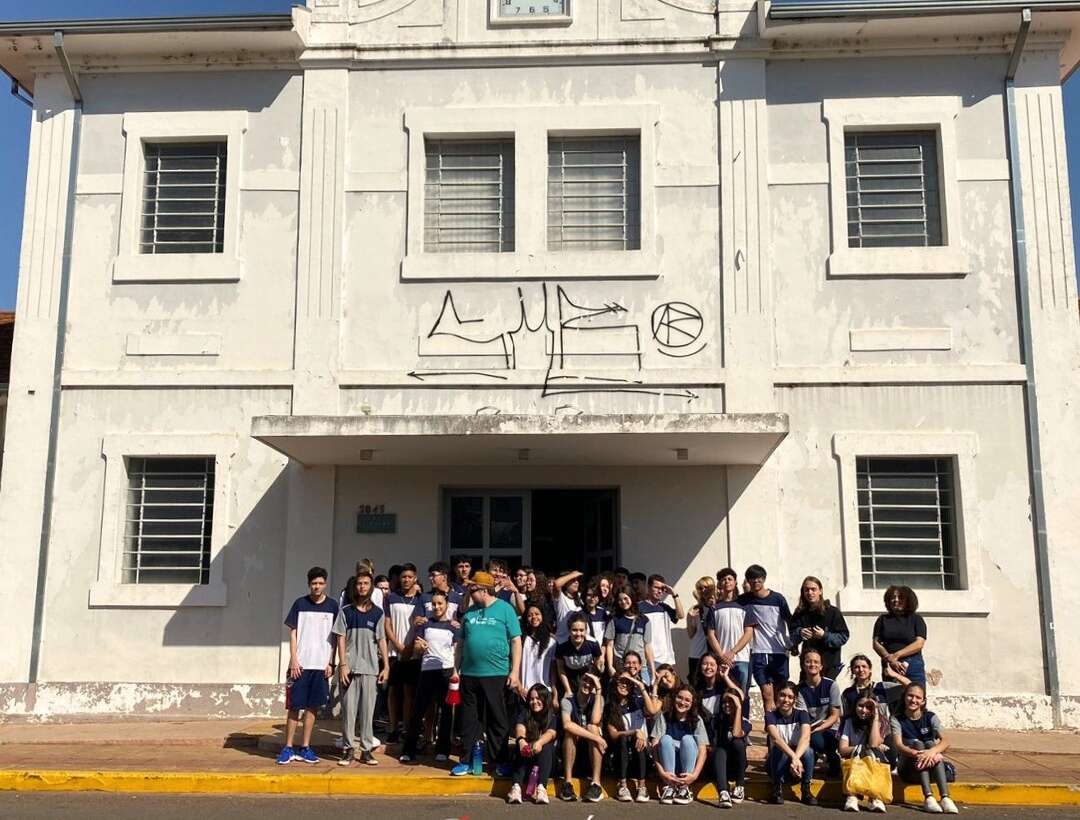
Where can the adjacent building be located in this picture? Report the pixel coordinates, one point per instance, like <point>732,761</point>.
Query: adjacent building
<point>669,284</point>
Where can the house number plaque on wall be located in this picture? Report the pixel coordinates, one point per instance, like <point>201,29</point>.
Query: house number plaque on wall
<point>373,519</point>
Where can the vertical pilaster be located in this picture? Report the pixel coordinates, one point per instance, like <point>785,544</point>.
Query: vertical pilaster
<point>753,492</point>
<point>1055,339</point>
<point>321,226</point>
<point>30,393</point>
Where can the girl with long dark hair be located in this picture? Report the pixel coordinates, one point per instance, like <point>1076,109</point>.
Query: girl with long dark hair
<point>864,736</point>
<point>628,631</point>
<point>629,705</point>
<point>537,649</point>
<point>680,742</point>
<point>533,744</point>
<point>789,753</point>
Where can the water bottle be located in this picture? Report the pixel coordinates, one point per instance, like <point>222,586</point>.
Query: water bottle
<point>478,757</point>
<point>534,781</point>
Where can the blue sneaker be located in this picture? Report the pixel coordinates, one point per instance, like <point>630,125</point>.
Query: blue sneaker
<point>287,756</point>
<point>307,756</point>
<point>504,770</point>
<point>460,770</point>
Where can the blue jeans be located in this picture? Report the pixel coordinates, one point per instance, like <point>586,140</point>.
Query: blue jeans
<point>686,749</point>
<point>778,765</point>
<point>827,743</point>
<point>740,673</point>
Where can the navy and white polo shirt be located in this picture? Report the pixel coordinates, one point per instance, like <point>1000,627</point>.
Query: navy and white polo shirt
<point>400,609</point>
<point>362,631</point>
<point>578,658</point>
<point>313,623</point>
<point>628,634</point>
<point>598,621</point>
<point>441,638</point>
<point>661,616</point>
<point>727,619</point>
<point>819,700</point>
<point>453,603</point>
<point>769,616</point>
<point>788,727</point>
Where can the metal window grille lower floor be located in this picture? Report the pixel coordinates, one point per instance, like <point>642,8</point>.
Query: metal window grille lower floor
<point>169,518</point>
<point>907,524</point>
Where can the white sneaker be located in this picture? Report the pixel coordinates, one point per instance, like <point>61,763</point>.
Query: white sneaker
<point>739,794</point>
<point>931,805</point>
<point>851,803</point>
<point>667,796</point>
<point>622,794</point>
<point>540,796</point>
<point>725,799</point>
<point>514,797</point>
<point>877,805</point>
<point>642,793</point>
<point>949,806</point>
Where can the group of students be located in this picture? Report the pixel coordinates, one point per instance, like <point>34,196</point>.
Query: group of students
<point>578,675</point>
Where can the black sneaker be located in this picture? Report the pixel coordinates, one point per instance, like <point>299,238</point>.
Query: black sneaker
<point>808,798</point>
<point>594,794</point>
<point>777,798</point>
<point>566,791</point>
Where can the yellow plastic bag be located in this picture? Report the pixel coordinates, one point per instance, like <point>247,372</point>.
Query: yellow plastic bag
<point>868,777</point>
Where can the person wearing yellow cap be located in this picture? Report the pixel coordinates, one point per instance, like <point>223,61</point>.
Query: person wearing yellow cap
<point>489,660</point>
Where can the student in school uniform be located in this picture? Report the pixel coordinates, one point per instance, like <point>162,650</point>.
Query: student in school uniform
<point>731,728</point>
<point>439,579</point>
<point>817,624</point>
<point>863,735</point>
<point>889,693</point>
<point>537,650</point>
<point>704,598</point>
<point>361,646</point>
<point>819,697</point>
<point>661,616</point>
<point>768,613</point>
<point>505,590</point>
<point>628,631</point>
<point>404,668</point>
<point>918,737</point>
<point>728,631</point>
<point>435,644</point>
<point>532,744</point>
<point>680,743</point>
<point>567,602</point>
<point>311,664</point>
<point>577,655</point>
<point>582,716</point>
<point>462,572</point>
<point>597,611</point>
<point>630,705</point>
<point>789,755</point>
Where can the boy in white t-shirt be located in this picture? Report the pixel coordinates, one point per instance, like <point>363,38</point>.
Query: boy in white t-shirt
<point>311,664</point>
<point>661,616</point>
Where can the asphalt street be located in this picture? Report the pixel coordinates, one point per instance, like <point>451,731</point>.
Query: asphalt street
<point>94,806</point>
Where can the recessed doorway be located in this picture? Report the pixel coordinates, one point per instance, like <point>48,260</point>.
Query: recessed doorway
<point>549,529</point>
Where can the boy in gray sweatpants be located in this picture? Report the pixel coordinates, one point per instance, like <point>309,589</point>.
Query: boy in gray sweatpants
<point>361,640</point>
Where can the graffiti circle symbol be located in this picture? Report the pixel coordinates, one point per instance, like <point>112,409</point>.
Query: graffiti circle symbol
<point>676,324</point>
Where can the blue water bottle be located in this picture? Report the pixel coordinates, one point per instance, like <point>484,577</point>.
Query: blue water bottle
<point>478,757</point>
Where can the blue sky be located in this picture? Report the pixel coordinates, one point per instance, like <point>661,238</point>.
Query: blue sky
<point>15,117</point>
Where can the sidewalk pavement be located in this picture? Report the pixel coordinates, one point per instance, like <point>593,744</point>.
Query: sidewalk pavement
<point>1030,768</point>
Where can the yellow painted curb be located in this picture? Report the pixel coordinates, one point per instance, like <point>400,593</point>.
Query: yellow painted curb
<point>419,785</point>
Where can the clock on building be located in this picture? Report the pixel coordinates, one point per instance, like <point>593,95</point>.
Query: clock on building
<point>530,12</point>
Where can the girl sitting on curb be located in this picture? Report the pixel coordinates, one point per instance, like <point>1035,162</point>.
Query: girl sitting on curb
<point>863,736</point>
<point>533,745</point>
<point>680,742</point>
<point>918,739</point>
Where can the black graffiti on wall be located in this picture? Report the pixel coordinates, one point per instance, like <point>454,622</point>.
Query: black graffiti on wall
<point>553,333</point>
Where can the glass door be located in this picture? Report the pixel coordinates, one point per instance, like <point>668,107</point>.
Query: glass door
<point>487,524</point>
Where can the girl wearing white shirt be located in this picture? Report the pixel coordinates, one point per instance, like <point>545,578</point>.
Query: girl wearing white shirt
<point>537,650</point>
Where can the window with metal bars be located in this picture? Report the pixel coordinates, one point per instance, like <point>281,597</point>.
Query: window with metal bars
<point>183,197</point>
<point>169,519</point>
<point>893,196</point>
<point>469,196</point>
<point>907,527</point>
<point>594,193</point>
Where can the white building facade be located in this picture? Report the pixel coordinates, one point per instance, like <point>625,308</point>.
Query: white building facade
<point>668,284</point>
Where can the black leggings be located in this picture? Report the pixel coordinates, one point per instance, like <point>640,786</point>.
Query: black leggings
<point>632,763</point>
<point>544,761</point>
<point>910,773</point>
<point>430,689</point>
<point>729,763</point>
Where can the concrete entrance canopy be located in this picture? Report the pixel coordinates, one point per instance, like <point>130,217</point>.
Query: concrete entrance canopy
<point>632,439</point>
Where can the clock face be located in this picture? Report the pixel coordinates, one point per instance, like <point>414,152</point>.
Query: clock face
<point>532,9</point>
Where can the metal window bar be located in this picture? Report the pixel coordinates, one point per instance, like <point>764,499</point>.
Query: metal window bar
<point>594,193</point>
<point>906,522</point>
<point>183,208</point>
<point>469,196</point>
<point>168,540</point>
<point>893,197</point>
